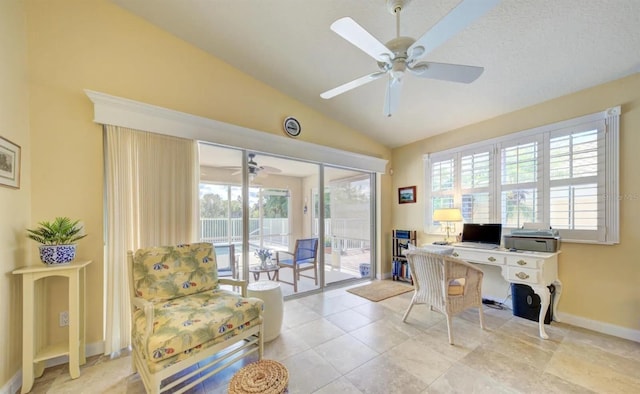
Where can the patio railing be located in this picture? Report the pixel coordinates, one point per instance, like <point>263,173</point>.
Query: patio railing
<point>275,232</point>
<point>229,230</point>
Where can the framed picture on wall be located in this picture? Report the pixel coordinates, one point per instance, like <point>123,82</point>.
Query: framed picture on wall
<point>9,164</point>
<point>407,194</point>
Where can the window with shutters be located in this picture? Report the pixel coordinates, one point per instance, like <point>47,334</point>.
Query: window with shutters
<point>475,186</point>
<point>442,184</point>
<point>576,192</point>
<point>563,175</point>
<point>521,182</point>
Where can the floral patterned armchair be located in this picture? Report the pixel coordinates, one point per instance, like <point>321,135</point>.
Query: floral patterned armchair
<point>181,317</point>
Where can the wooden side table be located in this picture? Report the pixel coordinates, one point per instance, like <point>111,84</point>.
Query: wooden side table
<point>33,359</point>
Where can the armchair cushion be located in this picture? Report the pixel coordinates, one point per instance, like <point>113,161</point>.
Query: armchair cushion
<point>456,287</point>
<point>187,322</point>
<point>167,272</point>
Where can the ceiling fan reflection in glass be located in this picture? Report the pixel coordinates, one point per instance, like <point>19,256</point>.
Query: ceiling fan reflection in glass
<point>255,169</point>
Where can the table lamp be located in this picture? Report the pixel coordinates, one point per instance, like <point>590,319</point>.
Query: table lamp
<point>447,215</point>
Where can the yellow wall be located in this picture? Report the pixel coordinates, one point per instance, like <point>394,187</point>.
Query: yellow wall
<point>71,45</point>
<point>601,283</point>
<point>14,204</point>
<point>75,45</point>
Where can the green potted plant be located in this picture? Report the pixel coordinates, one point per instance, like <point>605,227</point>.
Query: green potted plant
<point>57,240</point>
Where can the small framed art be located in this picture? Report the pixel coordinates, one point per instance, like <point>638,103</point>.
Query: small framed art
<point>9,164</point>
<point>406,194</point>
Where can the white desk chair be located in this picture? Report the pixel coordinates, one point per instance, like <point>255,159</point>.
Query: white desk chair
<point>448,285</point>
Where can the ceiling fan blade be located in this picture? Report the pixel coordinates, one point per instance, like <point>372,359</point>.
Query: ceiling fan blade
<point>392,97</point>
<point>352,85</point>
<point>270,170</point>
<point>456,20</point>
<point>348,29</point>
<point>447,72</point>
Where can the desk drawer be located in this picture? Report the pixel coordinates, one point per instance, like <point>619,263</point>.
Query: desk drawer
<point>523,275</point>
<point>524,262</point>
<point>482,257</point>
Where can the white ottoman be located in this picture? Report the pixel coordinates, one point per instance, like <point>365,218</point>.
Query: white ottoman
<point>269,292</point>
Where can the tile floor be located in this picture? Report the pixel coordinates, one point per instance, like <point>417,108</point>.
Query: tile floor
<point>337,342</point>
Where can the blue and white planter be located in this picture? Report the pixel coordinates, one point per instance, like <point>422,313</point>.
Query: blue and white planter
<point>57,254</point>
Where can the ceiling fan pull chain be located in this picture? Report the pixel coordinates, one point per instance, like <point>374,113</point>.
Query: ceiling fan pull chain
<point>398,9</point>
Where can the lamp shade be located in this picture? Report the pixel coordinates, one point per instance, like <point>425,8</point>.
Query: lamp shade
<point>447,215</point>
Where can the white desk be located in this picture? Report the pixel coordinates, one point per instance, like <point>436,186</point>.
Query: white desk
<point>32,358</point>
<point>536,269</point>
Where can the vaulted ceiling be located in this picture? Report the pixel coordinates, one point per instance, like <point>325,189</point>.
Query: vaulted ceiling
<point>531,51</point>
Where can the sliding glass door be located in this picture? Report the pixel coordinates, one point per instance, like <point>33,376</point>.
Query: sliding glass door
<point>283,207</point>
<point>348,218</point>
<point>221,208</point>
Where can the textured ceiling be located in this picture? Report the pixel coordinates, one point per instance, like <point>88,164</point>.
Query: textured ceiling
<point>532,51</point>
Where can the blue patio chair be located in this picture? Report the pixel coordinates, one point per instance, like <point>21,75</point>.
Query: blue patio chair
<point>303,258</point>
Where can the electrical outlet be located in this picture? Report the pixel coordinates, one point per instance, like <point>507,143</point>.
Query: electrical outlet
<point>64,319</point>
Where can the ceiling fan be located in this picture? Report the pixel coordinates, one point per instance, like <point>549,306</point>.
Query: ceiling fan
<point>401,54</point>
<point>255,169</point>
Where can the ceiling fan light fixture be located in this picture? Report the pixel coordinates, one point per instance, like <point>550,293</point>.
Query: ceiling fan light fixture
<point>398,69</point>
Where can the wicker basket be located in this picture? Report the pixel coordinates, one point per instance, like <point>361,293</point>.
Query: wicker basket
<point>264,376</point>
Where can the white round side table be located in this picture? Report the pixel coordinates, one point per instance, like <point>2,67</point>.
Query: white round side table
<point>269,292</point>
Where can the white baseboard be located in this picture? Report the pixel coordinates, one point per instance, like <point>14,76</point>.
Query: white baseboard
<point>14,384</point>
<point>598,326</point>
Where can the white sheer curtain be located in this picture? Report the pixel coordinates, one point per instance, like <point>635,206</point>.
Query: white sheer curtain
<point>151,199</point>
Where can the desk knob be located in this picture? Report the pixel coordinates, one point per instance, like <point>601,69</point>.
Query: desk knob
<point>492,259</point>
<point>521,262</point>
<point>522,275</point>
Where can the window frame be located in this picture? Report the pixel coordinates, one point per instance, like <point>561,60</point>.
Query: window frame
<point>608,207</point>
